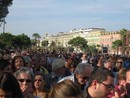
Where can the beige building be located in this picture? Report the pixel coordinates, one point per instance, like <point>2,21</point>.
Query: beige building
<point>92,35</point>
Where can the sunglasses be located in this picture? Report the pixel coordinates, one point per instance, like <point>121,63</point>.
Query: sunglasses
<point>39,80</point>
<point>119,62</point>
<point>109,86</point>
<point>22,80</point>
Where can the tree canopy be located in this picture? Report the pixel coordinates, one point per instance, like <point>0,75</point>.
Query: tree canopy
<point>36,38</point>
<point>4,8</point>
<point>45,43</point>
<point>7,39</point>
<point>14,41</point>
<point>22,41</point>
<point>78,41</point>
<point>116,44</point>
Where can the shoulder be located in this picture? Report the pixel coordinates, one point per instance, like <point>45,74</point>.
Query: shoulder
<point>68,78</point>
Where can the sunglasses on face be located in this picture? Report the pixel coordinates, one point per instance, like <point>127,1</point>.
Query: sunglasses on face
<point>23,80</point>
<point>119,62</point>
<point>39,80</point>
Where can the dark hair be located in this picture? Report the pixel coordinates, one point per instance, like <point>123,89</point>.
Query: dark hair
<point>9,83</point>
<point>4,64</point>
<point>65,89</point>
<point>100,74</point>
<point>39,73</point>
<point>13,62</point>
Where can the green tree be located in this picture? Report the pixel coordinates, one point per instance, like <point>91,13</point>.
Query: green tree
<point>78,42</point>
<point>22,41</point>
<point>92,48</point>
<point>116,44</point>
<point>123,33</point>
<point>4,4</point>
<point>37,38</point>
<point>45,43</point>
<point>53,45</point>
<point>7,39</point>
<point>2,44</point>
<point>33,42</point>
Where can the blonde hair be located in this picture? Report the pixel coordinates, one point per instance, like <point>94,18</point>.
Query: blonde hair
<point>121,74</point>
<point>65,89</point>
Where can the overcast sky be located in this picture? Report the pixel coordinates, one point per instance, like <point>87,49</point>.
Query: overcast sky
<point>53,16</point>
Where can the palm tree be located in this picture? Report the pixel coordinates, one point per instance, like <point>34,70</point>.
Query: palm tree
<point>37,38</point>
<point>116,44</point>
<point>123,33</point>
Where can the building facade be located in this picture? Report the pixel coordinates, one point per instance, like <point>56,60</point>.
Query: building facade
<point>106,40</point>
<point>128,43</point>
<point>94,36</point>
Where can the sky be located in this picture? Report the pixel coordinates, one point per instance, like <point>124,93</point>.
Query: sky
<point>53,16</point>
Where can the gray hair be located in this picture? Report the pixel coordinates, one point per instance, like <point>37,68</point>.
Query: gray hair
<point>24,70</point>
<point>81,67</point>
<point>58,63</point>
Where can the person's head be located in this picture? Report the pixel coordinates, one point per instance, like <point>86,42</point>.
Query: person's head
<point>127,75</point>
<point>35,60</point>
<point>113,60</point>
<point>69,62</point>
<point>84,56</point>
<point>83,72</point>
<point>58,66</point>
<point>121,77</point>
<point>92,60</point>
<point>24,77</point>
<point>65,89</point>
<point>5,65</point>
<point>9,87</point>
<point>108,64</point>
<point>23,53</point>
<point>27,61</point>
<point>43,60</point>
<point>39,81</point>
<point>127,80</point>
<point>18,62</point>
<point>7,57</point>
<point>119,63</point>
<point>101,61</point>
<point>101,82</point>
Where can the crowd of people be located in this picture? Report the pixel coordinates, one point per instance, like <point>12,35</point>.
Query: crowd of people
<point>54,74</point>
